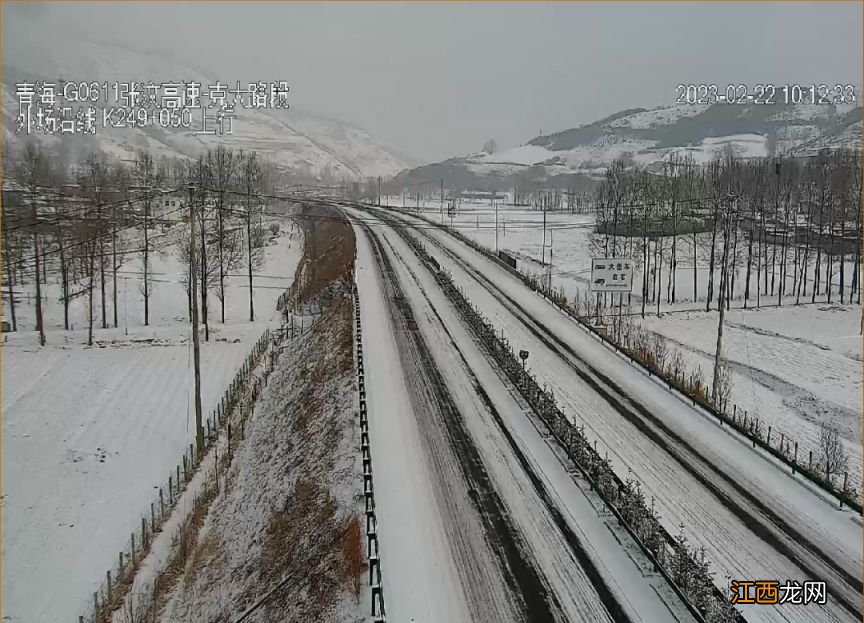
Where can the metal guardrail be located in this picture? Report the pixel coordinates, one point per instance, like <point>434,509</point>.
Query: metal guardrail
<point>375,575</point>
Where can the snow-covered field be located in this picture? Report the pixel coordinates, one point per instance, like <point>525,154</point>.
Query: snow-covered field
<point>794,366</point>
<point>568,240</point>
<point>90,433</point>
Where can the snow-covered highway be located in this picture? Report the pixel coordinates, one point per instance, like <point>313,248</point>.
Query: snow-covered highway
<point>754,520</point>
<point>499,530</point>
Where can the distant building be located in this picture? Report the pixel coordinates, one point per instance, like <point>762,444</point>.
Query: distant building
<point>482,195</point>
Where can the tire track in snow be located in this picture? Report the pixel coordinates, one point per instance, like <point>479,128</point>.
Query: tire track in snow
<point>526,583</point>
<point>656,430</point>
<point>605,595</point>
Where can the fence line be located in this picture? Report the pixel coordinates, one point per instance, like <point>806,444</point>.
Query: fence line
<point>119,579</point>
<point>375,575</point>
<point>751,429</point>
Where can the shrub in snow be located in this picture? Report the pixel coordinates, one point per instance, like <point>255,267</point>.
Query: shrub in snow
<point>832,454</point>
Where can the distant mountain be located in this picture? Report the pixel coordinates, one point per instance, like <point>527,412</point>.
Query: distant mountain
<point>574,157</point>
<point>294,140</point>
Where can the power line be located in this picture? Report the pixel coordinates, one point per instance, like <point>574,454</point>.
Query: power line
<point>58,217</point>
<point>83,242</point>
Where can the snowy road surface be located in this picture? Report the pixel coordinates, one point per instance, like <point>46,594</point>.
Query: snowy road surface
<point>497,530</point>
<point>755,520</point>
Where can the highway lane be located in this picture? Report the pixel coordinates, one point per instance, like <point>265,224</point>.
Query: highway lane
<point>754,520</point>
<point>575,551</point>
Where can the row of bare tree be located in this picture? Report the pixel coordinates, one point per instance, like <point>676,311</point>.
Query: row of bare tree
<point>789,224</point>
<point>80,222</point>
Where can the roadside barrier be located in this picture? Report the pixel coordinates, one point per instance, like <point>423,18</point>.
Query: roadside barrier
<point>373,548</point>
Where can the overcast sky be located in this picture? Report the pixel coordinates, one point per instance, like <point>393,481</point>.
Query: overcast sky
<point>437,80</point>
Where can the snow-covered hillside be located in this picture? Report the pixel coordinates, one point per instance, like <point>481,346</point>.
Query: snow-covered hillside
<point>294,140</point>
<point>649,136</point>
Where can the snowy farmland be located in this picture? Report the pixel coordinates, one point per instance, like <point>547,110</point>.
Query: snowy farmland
<point>89,433</point>
<point>793,366</point>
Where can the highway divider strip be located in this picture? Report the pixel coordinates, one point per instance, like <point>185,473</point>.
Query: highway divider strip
<point>624,499</point>
<point>738,421</point>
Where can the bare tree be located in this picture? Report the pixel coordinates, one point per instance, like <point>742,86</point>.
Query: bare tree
<point>64,219</point>
<point>90,233</point>
<point>33,173</point>
<point>148,179</point>
<point>96,172</point>
<point>250,178</point>
<point>221,166</point>
<point>832,454</point>
<point>14,244</point>
<point>229,258</point>
<point>122,180</point>
<point>724,391</point>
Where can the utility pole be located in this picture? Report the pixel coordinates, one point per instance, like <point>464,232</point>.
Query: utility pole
<point>114,256</point>
<point>379,191</point>
<point>125,307</point>
<point>780,286</point>
<point>204,271</point>
<point>718,354</point>
<point>146,258</point>
<point>39,322</point>
<point>496,228</point>
<point>441,209</point>
<point>193,285</point>
<point>442,196</point>
<point>549,278</point>
<point>543,205</point>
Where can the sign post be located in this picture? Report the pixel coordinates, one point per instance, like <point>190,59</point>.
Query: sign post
<point>523,355</point>
<point>611,274</point>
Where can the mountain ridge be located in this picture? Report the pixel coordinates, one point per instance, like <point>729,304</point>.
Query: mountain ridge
<point>295,140</point>
<point>576,157</point>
